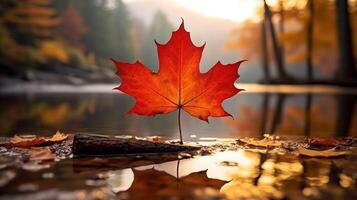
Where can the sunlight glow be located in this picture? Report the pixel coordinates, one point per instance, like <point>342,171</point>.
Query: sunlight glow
<point>236,10</point>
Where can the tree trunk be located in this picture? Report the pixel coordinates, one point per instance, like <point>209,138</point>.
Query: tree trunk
<point>282,29</point>
<point>309,45</point>
<point>265,58</point>
<point>347,68</point>
<point>277,51</point>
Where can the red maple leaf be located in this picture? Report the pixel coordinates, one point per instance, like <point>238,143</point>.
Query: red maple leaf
<point>179,84</point>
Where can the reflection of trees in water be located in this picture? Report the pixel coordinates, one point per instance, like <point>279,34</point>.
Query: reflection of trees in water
<point>311,115</point>
<point>279,106</point>
<point>104,113</point>
<point>29,113</point>
<point>287,176</point>
<point>307,125</point>
<point>264,110</point>
<point>346,108</point>
<point>316,115</point>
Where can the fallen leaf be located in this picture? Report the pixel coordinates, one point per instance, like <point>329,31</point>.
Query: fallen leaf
<point>324,153</point>
<point>57,137</point>
<point>18,141</point>
<point>326,142</point>
<point>178,84</point>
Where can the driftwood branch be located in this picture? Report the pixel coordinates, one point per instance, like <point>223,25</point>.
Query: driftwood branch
<point>101,145</point>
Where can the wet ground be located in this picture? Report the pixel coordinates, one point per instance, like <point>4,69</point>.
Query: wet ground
<point>287,164</point>
<point>271,168</point>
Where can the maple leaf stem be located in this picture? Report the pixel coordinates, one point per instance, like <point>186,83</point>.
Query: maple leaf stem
<point>179,125</point>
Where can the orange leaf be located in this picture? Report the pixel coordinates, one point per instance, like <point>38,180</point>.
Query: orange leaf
<point>18,141</point>
<point>179,84</point>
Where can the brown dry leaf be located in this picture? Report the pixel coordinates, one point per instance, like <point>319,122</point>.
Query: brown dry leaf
<point>265,142</point>
<point>41,154</point>
<point>18,141</point>
<point>326,142</point>
<point>324,153</point>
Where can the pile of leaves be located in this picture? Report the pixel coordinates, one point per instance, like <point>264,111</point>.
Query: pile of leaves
<point>34,153</point>
<point>302,146</point>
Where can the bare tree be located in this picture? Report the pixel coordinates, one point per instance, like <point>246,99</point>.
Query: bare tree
<point>276,47</point>
<point>309,42</point>
<point>281,28</point>
<point>265,58</point>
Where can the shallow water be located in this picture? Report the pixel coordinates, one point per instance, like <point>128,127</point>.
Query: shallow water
<point>284,110</point>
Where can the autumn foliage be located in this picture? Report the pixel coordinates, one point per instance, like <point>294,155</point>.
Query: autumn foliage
<point>72,26</point>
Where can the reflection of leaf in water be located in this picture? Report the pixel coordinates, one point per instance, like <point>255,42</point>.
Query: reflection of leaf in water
<point>324,153</point>
<point>161,185</point>
<point>40,154</point>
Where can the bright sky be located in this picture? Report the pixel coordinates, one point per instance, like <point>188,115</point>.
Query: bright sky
<point>236,10</point>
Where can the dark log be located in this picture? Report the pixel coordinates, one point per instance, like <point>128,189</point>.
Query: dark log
<point>102,145</point>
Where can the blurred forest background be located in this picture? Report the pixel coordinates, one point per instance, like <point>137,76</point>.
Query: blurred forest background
<point>72,41</point>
